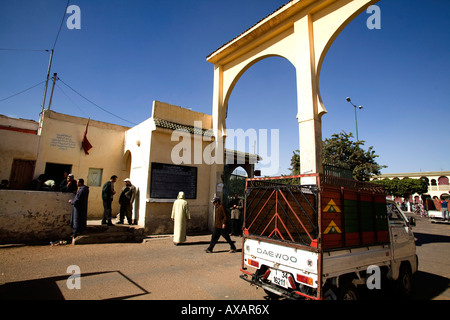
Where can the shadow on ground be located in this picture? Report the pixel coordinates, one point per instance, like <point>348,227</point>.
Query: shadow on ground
<point>48,289</point>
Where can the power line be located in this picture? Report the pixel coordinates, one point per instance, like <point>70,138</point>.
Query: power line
<point>16,94</point>
<point>14,49</point>
<point>74,103</point>
<point>93,103</point>
<point>60,26</point>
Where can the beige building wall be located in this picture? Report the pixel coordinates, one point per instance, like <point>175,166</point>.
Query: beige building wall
<point>125,152</point>
<point>158,216</point>
<point>60,143</point>
<point>16,145</point>
<point>18,140</point>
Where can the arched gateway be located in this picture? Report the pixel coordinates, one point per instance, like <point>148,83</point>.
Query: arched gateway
<point>301,31</point>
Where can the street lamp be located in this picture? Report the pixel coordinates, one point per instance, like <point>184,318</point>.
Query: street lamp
<point>356,119</point>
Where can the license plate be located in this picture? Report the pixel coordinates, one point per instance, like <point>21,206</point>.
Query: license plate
<point>280,278</point>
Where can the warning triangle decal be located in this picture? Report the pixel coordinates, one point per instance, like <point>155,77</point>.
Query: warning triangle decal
<point>331,207</point>
<point>332,228</point>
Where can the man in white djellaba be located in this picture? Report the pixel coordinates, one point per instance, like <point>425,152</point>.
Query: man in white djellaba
<point>180,217</point>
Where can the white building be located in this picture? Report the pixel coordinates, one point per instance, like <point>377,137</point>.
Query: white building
<point>438,183</point>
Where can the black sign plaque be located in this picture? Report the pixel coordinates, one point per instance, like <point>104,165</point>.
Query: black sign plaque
<point>168,179</point>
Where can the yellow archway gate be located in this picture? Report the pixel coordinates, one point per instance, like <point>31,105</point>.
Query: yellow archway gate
<point>301,31</point>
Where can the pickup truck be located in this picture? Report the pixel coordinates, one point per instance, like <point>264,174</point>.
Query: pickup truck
<point>435,211</point>
<point>324,240</point>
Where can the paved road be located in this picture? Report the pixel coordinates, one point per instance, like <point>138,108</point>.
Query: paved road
<point>433,248</point>
<point>157,269</point>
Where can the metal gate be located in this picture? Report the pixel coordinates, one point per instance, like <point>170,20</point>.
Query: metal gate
<point>283,212</point>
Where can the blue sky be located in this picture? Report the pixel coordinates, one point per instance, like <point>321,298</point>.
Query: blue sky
<point>129,53</point>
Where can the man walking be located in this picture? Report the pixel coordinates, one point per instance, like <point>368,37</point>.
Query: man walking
<point>220,228</point>
<point>78,219</point>
<point>107,197</point>
<point>126,200</point>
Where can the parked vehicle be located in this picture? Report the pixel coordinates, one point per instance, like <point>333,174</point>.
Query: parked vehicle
<point>322,241</point>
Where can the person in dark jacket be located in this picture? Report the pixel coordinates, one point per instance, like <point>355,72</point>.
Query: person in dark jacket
<point>107,197</point>
<point>70,186</point>
<point>126,200</point>
<point>220,225</point>
<point>78,218</point>
<point>236,206</point>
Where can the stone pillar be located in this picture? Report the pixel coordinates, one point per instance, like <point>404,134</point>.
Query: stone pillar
<point>309,122</point>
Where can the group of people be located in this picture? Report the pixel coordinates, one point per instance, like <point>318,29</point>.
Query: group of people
<point>181,215</point>
<point>42,183</point>
<point>78,219</point>
<point>126,199</point>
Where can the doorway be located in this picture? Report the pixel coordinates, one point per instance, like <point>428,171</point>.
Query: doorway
<point>56,172</point>
<point>22,172</point>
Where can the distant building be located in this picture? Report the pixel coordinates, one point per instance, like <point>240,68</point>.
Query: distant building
<point>438,183</point>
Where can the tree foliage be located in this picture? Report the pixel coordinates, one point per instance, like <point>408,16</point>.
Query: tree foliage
<point>295,163</point>
<point>341,151</point>
<point>403,188</point>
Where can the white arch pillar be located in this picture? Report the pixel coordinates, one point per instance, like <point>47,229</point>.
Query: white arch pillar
<point>302,32</point>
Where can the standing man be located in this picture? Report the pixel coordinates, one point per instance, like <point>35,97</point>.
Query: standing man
<point>70,185</point>
<point>444,209</point>
<point>126,200</point>
<point>236,207</point>
<point>220,228</point>
<point>78,219</point>
<point>180,217</point>
<point>107,197</point>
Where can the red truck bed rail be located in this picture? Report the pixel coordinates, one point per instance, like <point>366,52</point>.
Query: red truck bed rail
<point>281,212</point>
<point>334,212</point>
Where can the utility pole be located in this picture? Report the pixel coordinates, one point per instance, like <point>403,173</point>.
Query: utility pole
<point>41,118</point>
<point>53,88</point>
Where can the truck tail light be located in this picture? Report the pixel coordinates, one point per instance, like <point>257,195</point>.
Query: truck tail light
<point>253,263</point>
<point>305,279</point>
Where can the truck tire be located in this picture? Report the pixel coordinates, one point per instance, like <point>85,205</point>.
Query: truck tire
<point>348,292</point>
<point>404,281</point>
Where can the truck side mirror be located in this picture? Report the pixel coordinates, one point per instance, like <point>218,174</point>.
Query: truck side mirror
<point>412,221</point>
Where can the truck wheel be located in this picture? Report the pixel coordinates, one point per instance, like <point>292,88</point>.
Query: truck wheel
<point>404,281</point>
<point>348,292</point>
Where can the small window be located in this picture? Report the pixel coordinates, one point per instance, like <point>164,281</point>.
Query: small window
<point>94,177</point>
<point>394,214</point>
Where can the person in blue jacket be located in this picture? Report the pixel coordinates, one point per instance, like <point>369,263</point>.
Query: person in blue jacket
<point>78,219</point>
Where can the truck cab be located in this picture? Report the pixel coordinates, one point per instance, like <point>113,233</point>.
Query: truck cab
<point>403,247</point>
